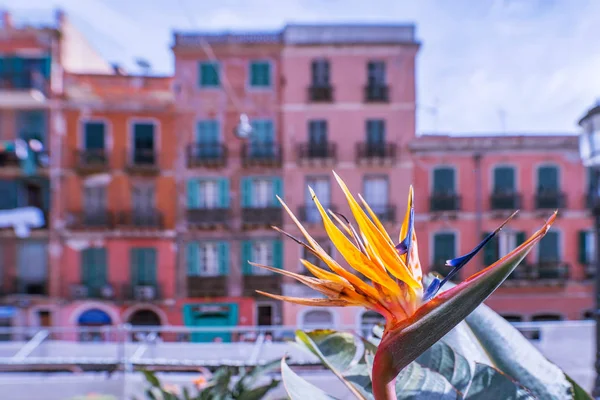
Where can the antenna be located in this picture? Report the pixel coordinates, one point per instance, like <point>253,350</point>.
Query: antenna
<point>144,65</point>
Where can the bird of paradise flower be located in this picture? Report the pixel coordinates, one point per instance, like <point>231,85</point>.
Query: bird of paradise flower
<point>416,315</point>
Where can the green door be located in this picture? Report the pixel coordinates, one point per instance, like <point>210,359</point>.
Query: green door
<point>210,315</point>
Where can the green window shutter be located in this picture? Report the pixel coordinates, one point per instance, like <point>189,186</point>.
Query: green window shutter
<point>223,184</point>
<point>278,254</point>
<point>443,181</point>
<point>490,251</point>
<point>548,247</point>
<point>207,131</point>
<point>86,267</point>
<point>134,261</point>
<point>46,66</point>
<point>260,74</point>
<point>548,178</point>
<point>520,238</point>
<point>94,135</point>
<point>193,193</point>
<point>193,259</point>
<point>209,74</point>
<point>375,131</point>
<point>223,249</point>
<point>582,248</point>
<point>151,266</point>
<point>246,184</point>
<point>504,179</point>
<point>262,131</point>
<point>101,278</point>
<point>277,190</point>
<point>444,245</point>
<point>9,198</point>
<point>246,256</point>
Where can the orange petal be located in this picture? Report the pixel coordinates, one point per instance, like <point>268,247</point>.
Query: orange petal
<point>308,302</point>
<point>323,274</point>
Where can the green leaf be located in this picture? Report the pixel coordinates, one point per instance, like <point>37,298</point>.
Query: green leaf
<point>578,392</point>
<point>151,378</point>
<point>442,359</point>
<point>436,318</point>
<point>489,383</point>
<point>248,379</point>
<point>514,355</point>
<point>299,389</point>
<point>259,392</point>
<point>416,383</point>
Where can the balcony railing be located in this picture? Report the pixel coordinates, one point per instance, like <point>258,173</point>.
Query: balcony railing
<point>91,161</point>
<point>320,93</point>
<point>30,287</point>
<point>376,152</point>
<point>143,161</point>
<point>9,159</point>
<point>376,93</point>
<point>261,155</point>
<point>266,283</point>
<point>139,219</point>
<point>590,270</point>
<point>209,155</point>
<point>385,213</point>
<point>142,292</point>
<point>310,213</point>
<point>550,200</point>
<point>91,220</point>
<point>23,81</point>
<point>444,202</point>
<point>207,286</point>
<point>262,216</point>
<point>82,291</point>
<point>207,217</point>
<point>320,152</point>
<point>505,201</point>
<point>541,273</point>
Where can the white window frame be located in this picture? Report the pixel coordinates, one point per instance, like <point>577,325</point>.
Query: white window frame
<point>262,253</point>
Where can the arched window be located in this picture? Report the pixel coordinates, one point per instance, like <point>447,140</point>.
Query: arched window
<point>317,319</point>
<point>91,321</point>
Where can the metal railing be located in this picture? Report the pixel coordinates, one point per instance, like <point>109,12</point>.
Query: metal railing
<point>266,154</point>
<point>262,216</point>
<point>550,200</point>
<point>142,161</point>
<point>322,93</point>
<point>505,201</point>
<point>316,151</point>
<point>377,93</point>
<point>366,151</point>
<point>206,155</point>
<point>444,202</point>
<point>139,219</point>
<point>91,220</point>
<point>207,217</point>
<point>91,159</point>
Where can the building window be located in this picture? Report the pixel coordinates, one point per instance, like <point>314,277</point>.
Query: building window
<point>376,193</point>
<point>504,180</point>
<point>262,140</point>
<point>208,193</point>
<point>317,132</point>
<point>32,267</point>
<point>32,125</point>
<point>143,266</point>
<point>93,270</point>
<point>94,136</point>
<point>320,73</point>
<point>143,199</point>
<point>322,190</point>
<point>587,247</point>
<point>375,132</point>
<point>317,319</point>
<point>549,248</point>
<point>209,74</point>
<point>260,192</point>
<point>94,203</point>
<point>376,73</point>
<point>207,258</point>
<point>444,181</point>
<point>264,252</point>
<point>500,245</point>
<point>143,143</point>
<point>444,248</point>
<point>260,74</point>
<point>548,179</point>
<point>24,72</point>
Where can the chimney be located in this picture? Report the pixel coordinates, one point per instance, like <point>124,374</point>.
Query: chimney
<point>7,21</point>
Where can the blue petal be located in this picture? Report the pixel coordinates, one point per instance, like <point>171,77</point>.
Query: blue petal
<point>432,289</point>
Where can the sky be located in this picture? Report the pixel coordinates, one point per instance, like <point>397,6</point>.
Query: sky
<point>493,66</point>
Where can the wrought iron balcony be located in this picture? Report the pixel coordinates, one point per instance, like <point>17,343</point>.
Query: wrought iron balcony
<point>91,161</point>
<point>262,216</point>
<point>205,218</point>
<point>261,155</point>
<point>149,219</point>
<point>550,200</point>
<point>143,161</point>
<point>141,292</point>
<point>30,287</point>
<point>310,213</point>
<point>265,283</point>
<point>590,270</point>
<point>444,202</point>
<point>505,200</point>
<point>380,153</point>
<point>554,271</point>
<point>317,152</point>
<point>82,291</point>
<point>208,155</point>
<point>23,81</point>
<point>90,220</point>
<point>377,93</point>
<point>321,93</point>
<point>207,286</point>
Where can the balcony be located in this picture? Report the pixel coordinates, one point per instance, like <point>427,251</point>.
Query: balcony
<point>26,80</point>
<point>206,155</point>
<point>262,216</point>
<point>142,292</point>
<point>553,273</point>
<point>261,155</point>
<point>321,93</point>
<point>91,161</point>
<point>385,213</point>
<point>30,287</point>
<point>550,200</point>
<point>139,219</point>
<point>508,201</point>
<point>444,202</point>
<point>207,286</point>
<point>91,220</point>
<point>207,218</point>
<point>589,269</point>
<point>8,159</point>
<point>377,93</point>
<point>265,283</point>
<point>143,162</point>
<point>375,153</point>
<point>82,291</point>
<point>317,153</point>
<point>310,213</point>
